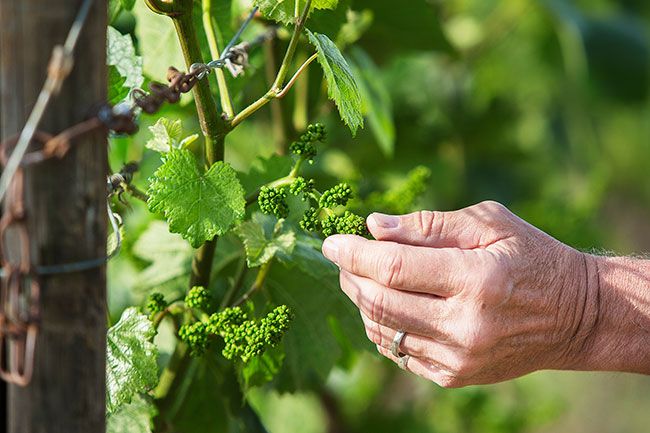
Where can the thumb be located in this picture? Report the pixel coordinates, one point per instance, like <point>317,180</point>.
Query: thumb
<point>426,228</point>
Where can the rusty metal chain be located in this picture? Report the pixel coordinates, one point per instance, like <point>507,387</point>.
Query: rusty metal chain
<point>20,284</point>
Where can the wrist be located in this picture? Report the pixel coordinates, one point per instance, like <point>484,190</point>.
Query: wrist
<point>620,337</point>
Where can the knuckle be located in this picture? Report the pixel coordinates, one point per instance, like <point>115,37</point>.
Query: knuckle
<point>448,381</point>
<point>465,367</point>
<point>494,285</point>
<point>353,258</point>
<point>492,208</point>
<point>391,272</point>
<point>476,340</point>
<point>377,307</point>
<point>429,223</point>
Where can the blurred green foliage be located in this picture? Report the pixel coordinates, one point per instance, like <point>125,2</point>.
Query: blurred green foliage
<point>543,105</point>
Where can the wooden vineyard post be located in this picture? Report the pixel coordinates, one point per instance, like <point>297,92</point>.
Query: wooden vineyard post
<point>65,207</point>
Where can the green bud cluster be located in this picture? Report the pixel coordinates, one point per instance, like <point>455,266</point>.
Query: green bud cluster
<point>246,339</point>
<point>273,201</point>
<point>347,224</point>
<point>156,303</point>
<point>310,221</point>
<point>305,147</point>
<point>195,336</point>
<point>301,186</point>
<point>225,320</point>
<point>338,195</point>
<point>198,297</point>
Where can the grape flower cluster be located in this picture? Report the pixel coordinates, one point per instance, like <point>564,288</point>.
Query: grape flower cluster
<point>323,214</point>
<point>305,146</point>
<point>338,195</point>
<point>156,303</point>
<point>195,336</point>
<point>303,187</point>
<point>244,338</point>
<point>197,297</point>
<point>273,201</point>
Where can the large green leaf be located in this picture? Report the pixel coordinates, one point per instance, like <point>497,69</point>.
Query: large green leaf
<point>197,204</point>
<point>121,54</point>
<point>341,85</point>
<point>134,417</point>
<point>376,103</point>
<point>284,11</point>
<point>209,400</point>
<point>169,256</point>
<point>260,369</point>
<point>264,237</point>
<point>308,284</point>
<point>157,38</point>
<point>130,359</point>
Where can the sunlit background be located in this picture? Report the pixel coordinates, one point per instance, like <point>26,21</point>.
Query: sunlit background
<point>543,105</point>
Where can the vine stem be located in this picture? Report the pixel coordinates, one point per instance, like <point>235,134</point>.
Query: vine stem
<point>209,25</point>
<point>214,129</point>
<point>277,117</point>
<point>276,88</point>
<point>236,285</point>
<point>283,181</point>
<point>257,284</point>
<point>293,79</point>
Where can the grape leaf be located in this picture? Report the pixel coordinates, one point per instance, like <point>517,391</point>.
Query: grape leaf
<point>170,258</point>
<point>134,417</point>
<point>376,103</point>
<point>308,284</point>
<point>157,38</point>
<point>167,136</point>
<point>265,170</point>
<point>284,11</point>
<point>121,54</point>
<point>260,369</point>
<point>209,400</point>
<point>116,89</point>
<point>263,238</point>
<point>197,204</point>
<point>341,86</point>
<point>130,359</point>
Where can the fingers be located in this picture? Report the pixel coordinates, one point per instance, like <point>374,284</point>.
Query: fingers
<point>411,344</point>
<point>466,228</point>
<point>440,272</point>
<point>413,312</point>
<point>424,369</point>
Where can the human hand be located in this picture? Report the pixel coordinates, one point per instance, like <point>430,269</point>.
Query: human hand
<point>482,295</point>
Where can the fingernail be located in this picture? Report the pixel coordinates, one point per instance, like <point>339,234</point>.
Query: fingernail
<point>331,250</point>
<point>385,221</point>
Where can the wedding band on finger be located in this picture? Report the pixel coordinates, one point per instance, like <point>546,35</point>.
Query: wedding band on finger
<point>397,341</point>
<point>403,361</point>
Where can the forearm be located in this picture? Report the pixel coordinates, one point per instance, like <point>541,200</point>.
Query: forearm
<point>621,337</point>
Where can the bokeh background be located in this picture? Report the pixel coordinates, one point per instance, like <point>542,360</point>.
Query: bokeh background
<point>543,105</point>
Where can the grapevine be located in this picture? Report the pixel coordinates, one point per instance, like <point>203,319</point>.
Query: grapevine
<point>246,227</point>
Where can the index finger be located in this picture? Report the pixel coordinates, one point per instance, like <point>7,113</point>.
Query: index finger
<point>438,271</point>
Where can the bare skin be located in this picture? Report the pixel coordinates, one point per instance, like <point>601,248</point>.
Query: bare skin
<point>485,297</point>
